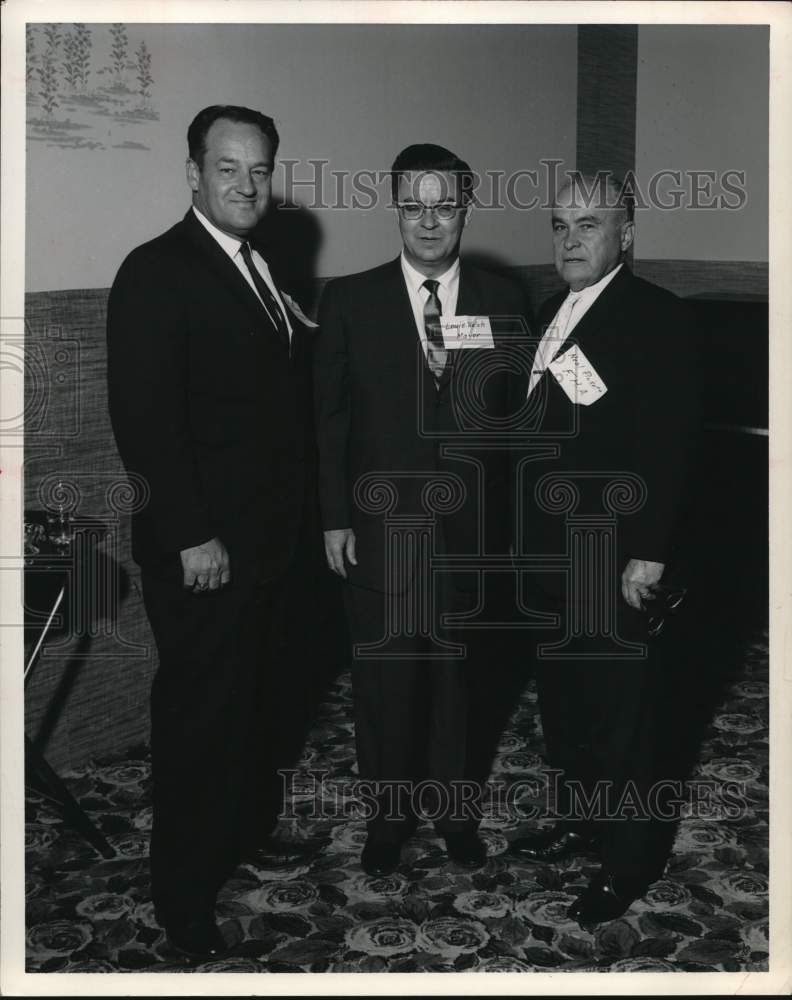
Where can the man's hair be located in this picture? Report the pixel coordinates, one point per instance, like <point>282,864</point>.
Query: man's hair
<point>602,190</point>
<point>203,121</point>
<point>426,156</point>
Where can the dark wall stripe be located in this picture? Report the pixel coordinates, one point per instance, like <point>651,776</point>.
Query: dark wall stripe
<point>722,279</point>
<point>606,96</point>
<point>606,126</point>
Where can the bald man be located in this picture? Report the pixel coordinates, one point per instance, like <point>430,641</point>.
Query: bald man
<point>611,387</point>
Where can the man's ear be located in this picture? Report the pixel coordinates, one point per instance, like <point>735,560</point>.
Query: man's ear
<point>468,212</point>
<point>627,235</point>
<point>193,174</point>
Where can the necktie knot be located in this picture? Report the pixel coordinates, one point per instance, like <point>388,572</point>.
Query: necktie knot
<point>431,285</point>
<point>247,256</point>
<point>565,313</point>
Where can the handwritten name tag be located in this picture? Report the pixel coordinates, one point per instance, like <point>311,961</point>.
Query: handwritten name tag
<point>466,332</point>
<point>578,377</point>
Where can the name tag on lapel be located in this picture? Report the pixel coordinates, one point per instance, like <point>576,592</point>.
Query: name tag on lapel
<point>462,333</point>
<point>578,377</point>
<point>297,311</point>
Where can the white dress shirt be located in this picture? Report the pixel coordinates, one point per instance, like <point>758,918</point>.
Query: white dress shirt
<point>570,313</point>
<point>447,292</point>
<point>231,245</point>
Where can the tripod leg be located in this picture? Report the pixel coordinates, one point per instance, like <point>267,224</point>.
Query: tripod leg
<point>73,812</point>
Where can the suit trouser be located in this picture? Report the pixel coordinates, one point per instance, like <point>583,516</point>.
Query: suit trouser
<point>216,725</point>
<point>600,727</point>
<point>410,719</point>
<point>206,730</point>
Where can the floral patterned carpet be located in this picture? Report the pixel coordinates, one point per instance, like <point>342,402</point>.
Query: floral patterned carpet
<point>708,913</point>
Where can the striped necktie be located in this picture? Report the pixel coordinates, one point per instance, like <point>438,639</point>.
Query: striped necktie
<point>436,354</point>
<point>271,306</point>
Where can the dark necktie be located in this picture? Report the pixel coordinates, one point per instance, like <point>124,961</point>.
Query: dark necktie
<point>271,306</point>
<point>436,354</point>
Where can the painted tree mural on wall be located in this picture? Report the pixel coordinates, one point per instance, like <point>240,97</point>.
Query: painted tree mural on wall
<point>82,79</point>
<point>83,43</point>
<point>48,72</point>
<point>144,77</point>
<point>30,54</point>
<point>77,58</point>
<point>70,67</point>
<point>118,54</point>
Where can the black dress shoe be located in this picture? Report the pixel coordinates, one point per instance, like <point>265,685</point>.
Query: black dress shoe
<point>380,857</point>
<point>607,897</point>
<point>551,845</point>
<point>466,849</point>
<point>196,937</point>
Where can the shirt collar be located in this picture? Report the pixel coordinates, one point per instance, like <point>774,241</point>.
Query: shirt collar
<point>415,279</point>
<point>230,244</point>
<point>590,292</point>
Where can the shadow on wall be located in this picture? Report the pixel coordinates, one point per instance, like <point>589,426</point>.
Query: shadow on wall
<point>95,587</point>
<point>537,281</point>
<point>291,238</point>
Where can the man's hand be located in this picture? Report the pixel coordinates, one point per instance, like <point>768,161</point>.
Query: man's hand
<point>638,579</point>
<point>340,543</point>
<point>206,566</point>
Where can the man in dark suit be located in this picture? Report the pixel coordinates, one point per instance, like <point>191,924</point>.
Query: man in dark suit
<point>398,411</point>
<point>208,367</point>
<point>611,388</point>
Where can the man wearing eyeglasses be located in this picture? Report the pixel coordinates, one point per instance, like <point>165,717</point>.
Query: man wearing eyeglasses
<point>394,402</point>
<point>612,379</point>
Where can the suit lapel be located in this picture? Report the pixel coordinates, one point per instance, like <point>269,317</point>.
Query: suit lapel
<point>598,316</point>
<point>469,303</point>
<point>302,334</point>
<point>469,298</point>
<point>594,324</point>
<point>226,271</point>
<point>399,320</point>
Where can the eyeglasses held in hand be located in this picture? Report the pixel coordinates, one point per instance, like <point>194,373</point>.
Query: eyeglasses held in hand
<point>663,602</point>
<point>414,210</point>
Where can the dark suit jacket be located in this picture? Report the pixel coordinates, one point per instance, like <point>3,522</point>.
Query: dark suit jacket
<point>640,340</point>
<point>207,406</point>
<point>378,411</point>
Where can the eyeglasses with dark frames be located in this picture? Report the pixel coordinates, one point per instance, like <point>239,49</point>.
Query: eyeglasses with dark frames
<point>414,210</point>
<point>663,602</point>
